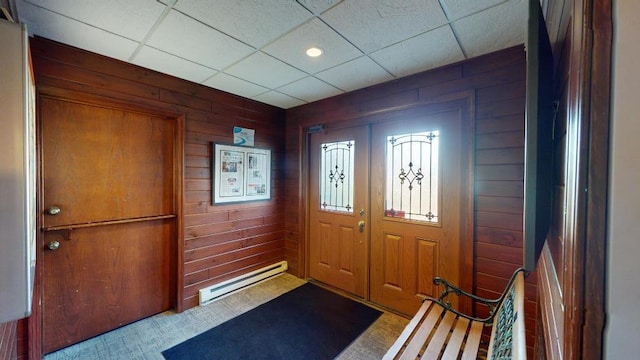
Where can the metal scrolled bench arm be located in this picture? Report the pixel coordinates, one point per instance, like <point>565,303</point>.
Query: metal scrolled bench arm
<point>492,304</point>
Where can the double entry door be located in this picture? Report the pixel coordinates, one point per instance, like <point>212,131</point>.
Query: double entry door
<point>385,206</point>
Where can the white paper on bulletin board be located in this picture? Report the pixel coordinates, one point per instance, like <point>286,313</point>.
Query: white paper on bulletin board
<point>243,136</point>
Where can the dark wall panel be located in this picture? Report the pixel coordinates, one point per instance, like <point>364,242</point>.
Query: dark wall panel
<point>223,241</point>
<point>220,242</point>
<point>8,348</point>
<point>496,82</point>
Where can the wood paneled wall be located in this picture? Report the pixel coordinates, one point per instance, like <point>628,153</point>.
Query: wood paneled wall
<point>22,340</point>
<point>8,338</point>
<point>496,83</point>
<point>220,242</point>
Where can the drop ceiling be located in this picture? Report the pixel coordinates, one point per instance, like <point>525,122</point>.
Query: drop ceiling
<point>256,48</point>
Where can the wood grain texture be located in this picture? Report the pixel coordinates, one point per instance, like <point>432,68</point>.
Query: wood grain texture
<point>100,150</point>
<point>22,339</point>
<point>492,78</point>
<point>338,251</point>
<point>86,295</point>
<point>8,340</point>
<point>433,332</point>
<point>111,172</point>
<point>210,117</point>
<point>573,282</point>
<point>414,264</point>
<point>596,221</point>
<point>497,83</point>
<point>251,235</point>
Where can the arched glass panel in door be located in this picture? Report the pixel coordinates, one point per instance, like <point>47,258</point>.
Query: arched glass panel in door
<point>412,176</point>
<point>336,176</point>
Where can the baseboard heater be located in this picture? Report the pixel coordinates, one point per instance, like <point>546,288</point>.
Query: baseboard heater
<point>214,292</point>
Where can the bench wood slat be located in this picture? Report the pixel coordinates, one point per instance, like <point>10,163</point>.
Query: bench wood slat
<point>408,330</point>
<point>473,341</point>
<point>434,348</point>
<point>418,340</point>
<point>455,342</point>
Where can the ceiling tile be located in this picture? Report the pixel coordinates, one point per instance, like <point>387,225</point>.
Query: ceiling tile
<point>310,89</point>
<point>187,38</point>
<point>457,9</point>
<point>318,6</point>
<point>485,32</point>
<point>255,22</point>
<point>291,47</point>
<point>355,74</point>
<point>372,25</point>
<point>131,19</point>
<point>234,85</point>
<point>264,70</point>
<point>259,45</point>
<point>278,99</point>
<point>56,27</point>
<point>429,50</point>
<point>169,64</point>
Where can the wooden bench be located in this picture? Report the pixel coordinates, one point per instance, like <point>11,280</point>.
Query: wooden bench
<point>438,331</point>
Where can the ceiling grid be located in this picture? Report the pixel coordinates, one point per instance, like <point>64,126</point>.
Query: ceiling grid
<point>256,48</point>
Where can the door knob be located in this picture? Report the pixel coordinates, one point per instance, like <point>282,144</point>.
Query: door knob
<point>53,245</point>
<point>361,225</point>
<point>53,210</point>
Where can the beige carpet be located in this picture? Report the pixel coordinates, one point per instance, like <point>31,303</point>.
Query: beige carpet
<point>145,339</point>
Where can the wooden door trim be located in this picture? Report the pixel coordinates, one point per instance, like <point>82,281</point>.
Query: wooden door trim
<point>177,266</point>
<point>595,221</point>
<point>35,321</point>
<point>303,195</point>
<point>465,102</point>
<point>581,317</point>
<point>448,101</point>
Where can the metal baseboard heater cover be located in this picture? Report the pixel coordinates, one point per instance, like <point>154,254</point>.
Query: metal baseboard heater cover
<point>214,292</point>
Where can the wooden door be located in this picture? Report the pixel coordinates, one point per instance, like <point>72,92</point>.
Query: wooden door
<point>109,219</point>
<point>339,208</point>
<point>416,181</point>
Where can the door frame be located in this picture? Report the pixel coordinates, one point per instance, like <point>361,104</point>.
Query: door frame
<point>35,324</point>
<point>464,102</point>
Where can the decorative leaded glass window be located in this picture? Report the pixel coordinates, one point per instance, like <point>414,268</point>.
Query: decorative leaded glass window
<point>412,176</point>
<point>336,176</point>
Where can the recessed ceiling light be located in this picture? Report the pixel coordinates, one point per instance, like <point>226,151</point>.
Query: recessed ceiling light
<point>314,51</point>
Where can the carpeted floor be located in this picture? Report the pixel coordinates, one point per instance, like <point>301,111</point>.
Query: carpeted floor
<point>146,339</point>
<point>308,322</point>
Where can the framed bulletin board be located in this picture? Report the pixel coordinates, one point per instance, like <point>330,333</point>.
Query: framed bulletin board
<point>240,174</point>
